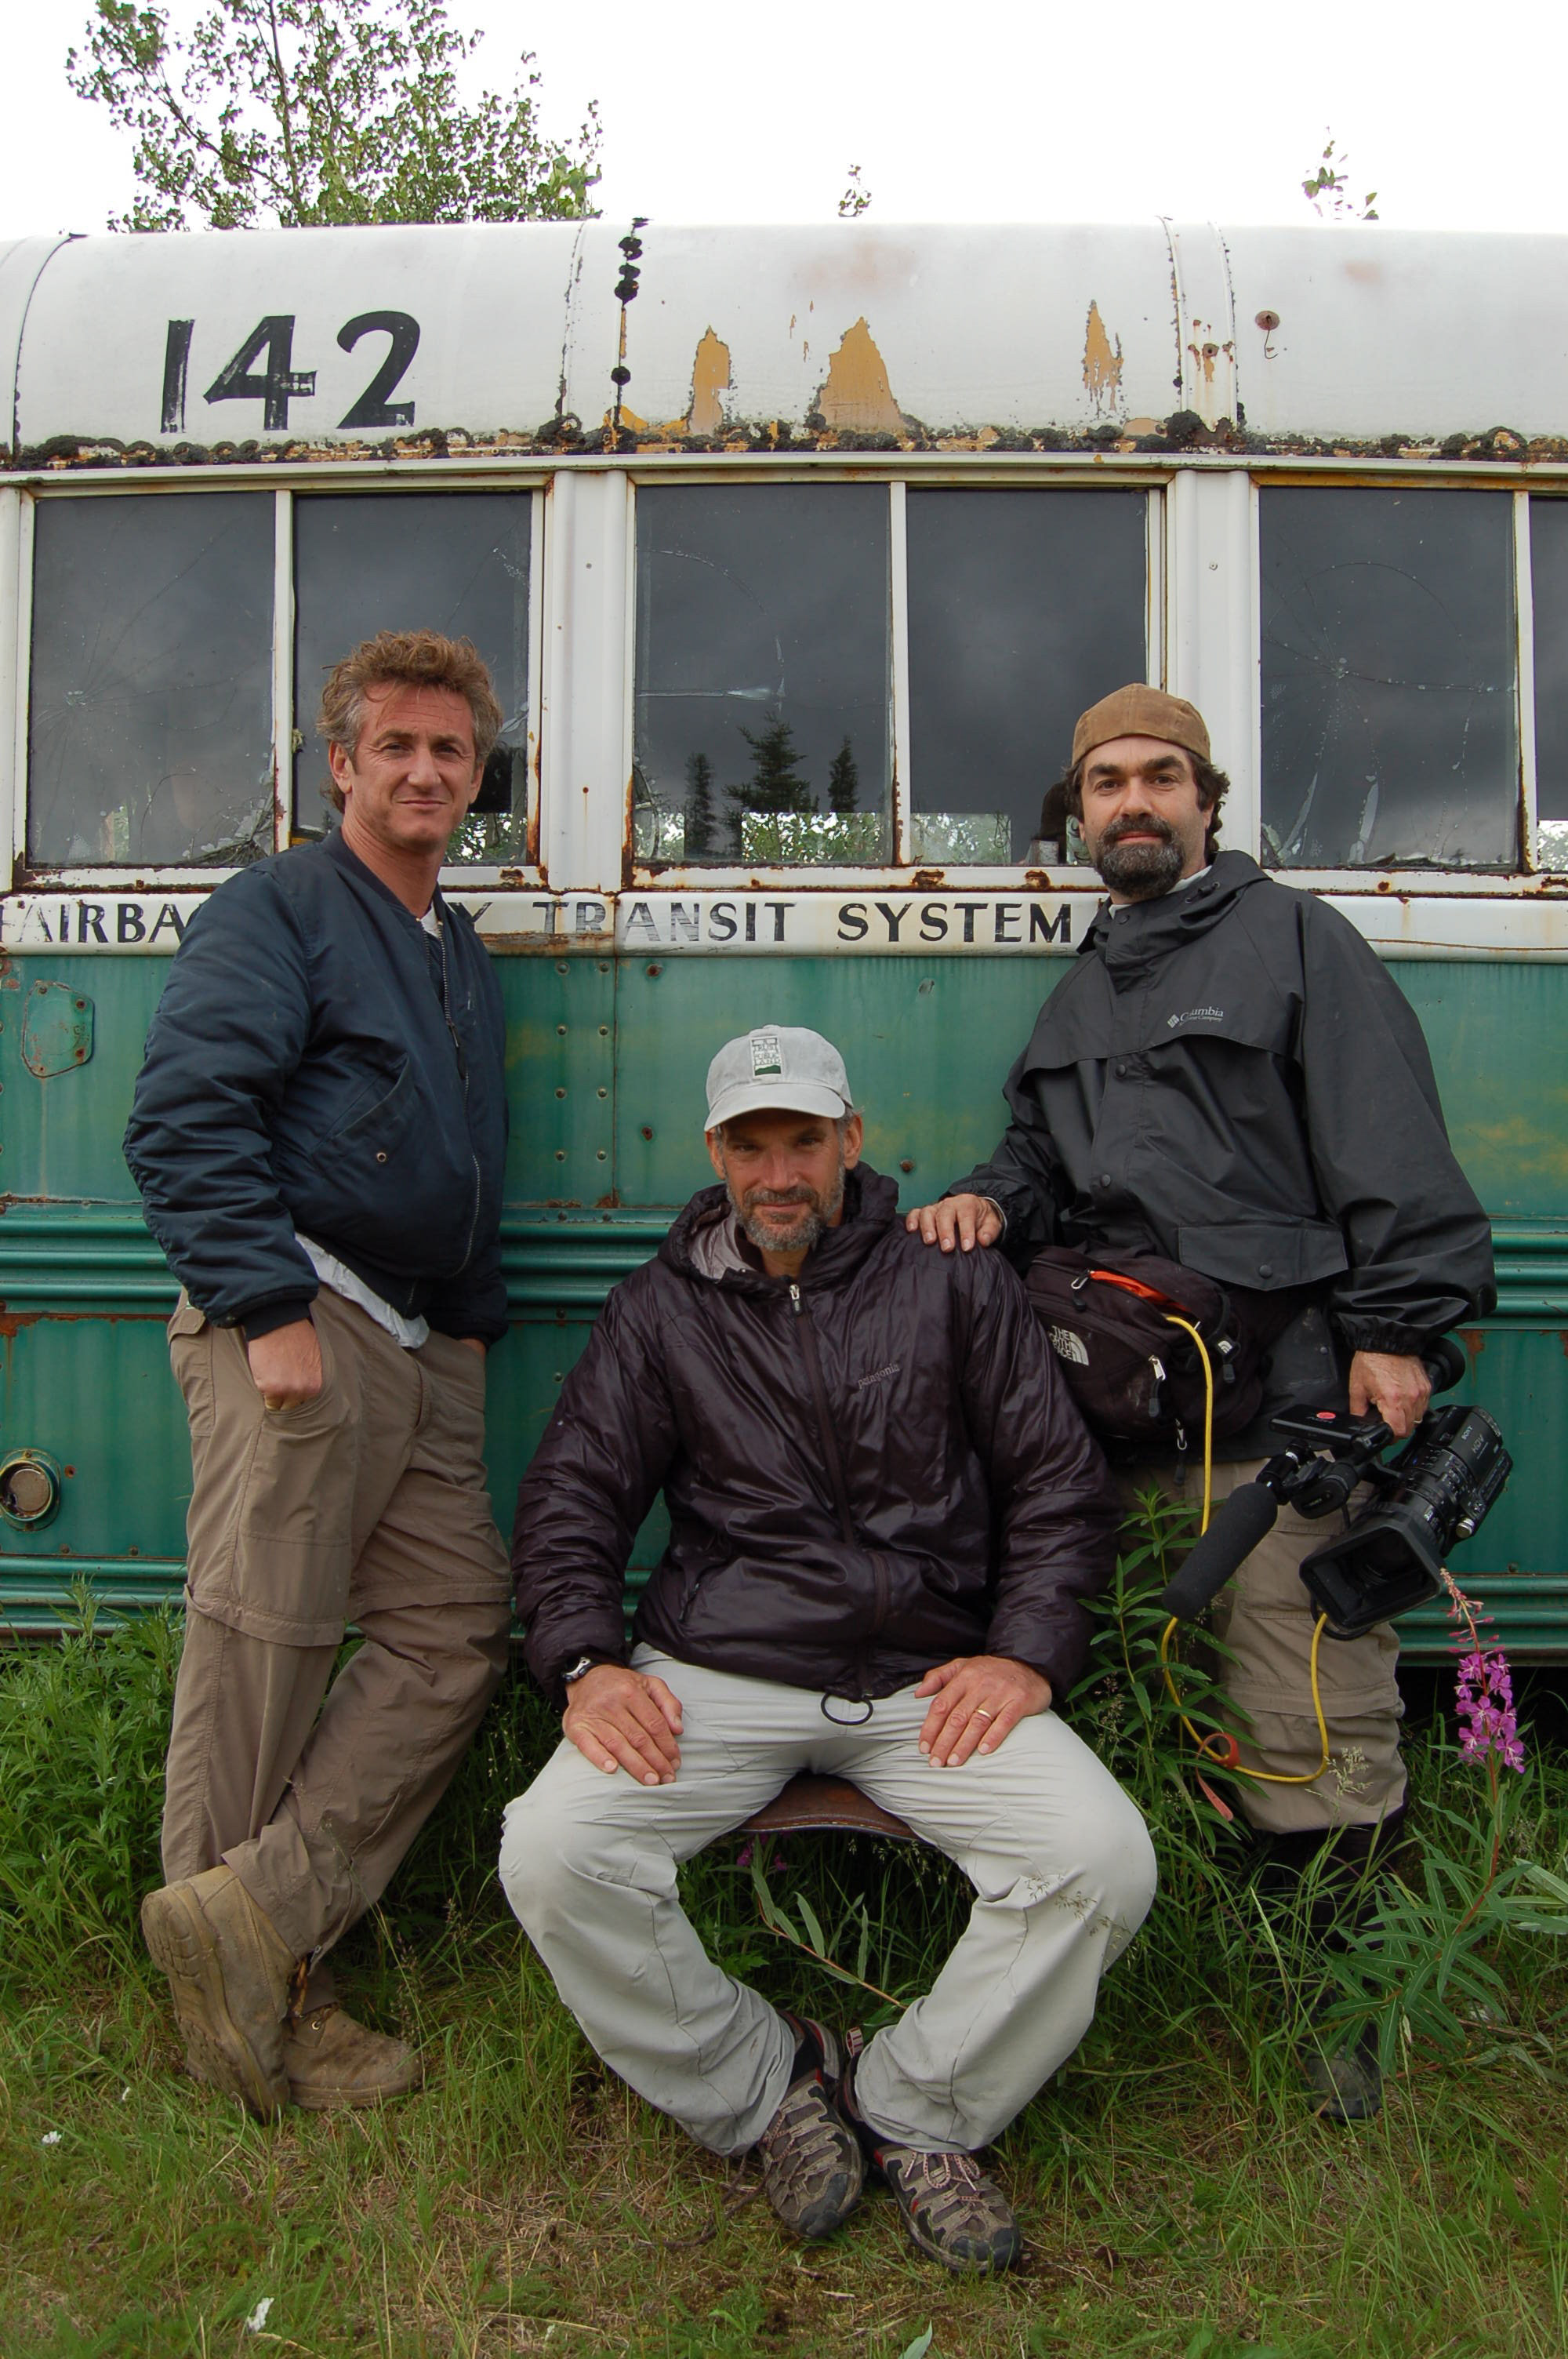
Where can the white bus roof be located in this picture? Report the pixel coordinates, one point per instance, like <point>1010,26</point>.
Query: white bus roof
<point>1159,338</point>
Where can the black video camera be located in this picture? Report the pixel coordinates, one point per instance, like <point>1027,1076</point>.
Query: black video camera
<point>1439,1489</point>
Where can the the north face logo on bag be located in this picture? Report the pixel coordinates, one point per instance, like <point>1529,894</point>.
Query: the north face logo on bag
<point>1069,1346</point>
<point>767,1061</point>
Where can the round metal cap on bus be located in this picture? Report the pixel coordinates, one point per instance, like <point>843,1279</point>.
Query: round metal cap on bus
<point>30,1489</point>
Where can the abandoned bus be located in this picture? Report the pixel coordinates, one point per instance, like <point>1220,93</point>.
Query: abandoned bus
<point>793,554</point>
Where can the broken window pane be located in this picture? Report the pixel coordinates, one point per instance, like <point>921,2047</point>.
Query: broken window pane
<point>1549,600</point>
<point>149,738</point>
<point>762,699</point>
<point>1390,733</point>
<point>1024,607</point>
<point>449,561</point>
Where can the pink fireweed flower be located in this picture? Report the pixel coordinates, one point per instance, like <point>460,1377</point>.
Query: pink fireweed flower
<point>1484,1699</point>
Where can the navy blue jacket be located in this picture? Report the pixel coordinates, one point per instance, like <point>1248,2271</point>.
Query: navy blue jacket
<point>301,1075</point>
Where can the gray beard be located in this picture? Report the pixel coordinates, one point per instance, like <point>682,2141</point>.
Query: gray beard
<point>1142,871</point>
<point>814,1219</point>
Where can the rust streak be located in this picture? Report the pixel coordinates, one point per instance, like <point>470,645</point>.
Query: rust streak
<point>1102,362</point>
<point>857,394</point>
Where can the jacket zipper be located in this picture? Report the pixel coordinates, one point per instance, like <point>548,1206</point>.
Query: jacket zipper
<point>462,1065</point>
<point>835,1464</point>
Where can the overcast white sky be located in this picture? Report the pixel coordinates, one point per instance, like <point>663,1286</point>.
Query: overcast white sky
<point>958,112</point>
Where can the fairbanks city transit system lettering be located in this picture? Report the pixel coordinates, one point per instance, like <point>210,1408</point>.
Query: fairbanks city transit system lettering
<point>740,921</point>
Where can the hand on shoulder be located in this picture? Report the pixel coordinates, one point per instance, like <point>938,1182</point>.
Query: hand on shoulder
<point>956,1221</point>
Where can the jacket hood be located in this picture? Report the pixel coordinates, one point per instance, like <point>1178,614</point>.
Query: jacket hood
<point>1132,938</point>
<point>871,1209</point>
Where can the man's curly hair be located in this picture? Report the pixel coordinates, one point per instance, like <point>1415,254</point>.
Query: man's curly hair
<point>406,660</point>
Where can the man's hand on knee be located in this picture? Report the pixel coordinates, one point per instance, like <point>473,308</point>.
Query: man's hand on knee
<point>966,1221</point>
<point>976,1701</point>
<point>623,1719</point>
<point>285,1366</point>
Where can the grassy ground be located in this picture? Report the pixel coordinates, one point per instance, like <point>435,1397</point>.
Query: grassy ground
<point>1177,2194</point>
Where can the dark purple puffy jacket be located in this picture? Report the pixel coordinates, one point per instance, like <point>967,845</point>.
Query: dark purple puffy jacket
<point>865,1475</point>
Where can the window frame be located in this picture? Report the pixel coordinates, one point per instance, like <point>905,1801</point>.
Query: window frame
<point>299,481</point>
<point>1527,877</point>
<point>902,871</point>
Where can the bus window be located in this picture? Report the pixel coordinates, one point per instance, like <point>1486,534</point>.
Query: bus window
<point>1024,607</point>
<point>149,735</point>
<point>450,562</point>
<point>1390,730</point>
<point>1548,600</point>
<point>763,696</point>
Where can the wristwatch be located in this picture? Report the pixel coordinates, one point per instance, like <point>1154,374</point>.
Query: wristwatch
<point>584,1663</point>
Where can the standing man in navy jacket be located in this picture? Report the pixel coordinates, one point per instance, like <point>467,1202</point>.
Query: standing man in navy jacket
<point>319,1133</point>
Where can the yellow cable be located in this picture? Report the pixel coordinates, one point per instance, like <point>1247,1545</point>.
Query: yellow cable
<point>1204,1743</point>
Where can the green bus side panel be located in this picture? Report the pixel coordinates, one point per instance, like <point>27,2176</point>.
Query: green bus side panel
<point>608,1059</point>
<point>1500,1048</point>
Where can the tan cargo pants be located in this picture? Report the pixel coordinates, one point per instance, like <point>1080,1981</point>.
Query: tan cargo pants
<point>1264,1618</point>
<point>366,1504</point>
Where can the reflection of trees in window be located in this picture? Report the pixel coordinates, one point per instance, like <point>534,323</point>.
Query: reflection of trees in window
<point>700,813</point>
<point>843,780</point>
<point>763,652</point>
<point>775,784</point>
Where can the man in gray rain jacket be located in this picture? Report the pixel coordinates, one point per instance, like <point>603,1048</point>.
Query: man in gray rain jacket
<point>1228,1076</point>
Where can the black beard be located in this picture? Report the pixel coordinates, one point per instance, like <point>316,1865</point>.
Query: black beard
<point>1140,871</point>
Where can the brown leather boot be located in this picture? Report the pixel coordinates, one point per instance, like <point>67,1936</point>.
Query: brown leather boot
<point>228,1970</point>
<point>331,2061</point>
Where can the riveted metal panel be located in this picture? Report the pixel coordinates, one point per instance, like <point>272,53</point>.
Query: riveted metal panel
<point>83,1370</point>
<point>562,1078</point>
<point>60,1138</point>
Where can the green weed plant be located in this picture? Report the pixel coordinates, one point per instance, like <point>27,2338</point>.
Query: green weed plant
<point>1179,2196</point>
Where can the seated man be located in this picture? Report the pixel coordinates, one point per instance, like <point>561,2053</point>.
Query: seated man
<point>884,1515</point>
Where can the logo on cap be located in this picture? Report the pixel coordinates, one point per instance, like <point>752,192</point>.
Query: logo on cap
<point>767,1060</point>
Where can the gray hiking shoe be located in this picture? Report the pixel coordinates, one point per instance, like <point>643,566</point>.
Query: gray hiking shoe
<point>228,1970</point>
<point>951,2209</point>
<point>813,2170</point>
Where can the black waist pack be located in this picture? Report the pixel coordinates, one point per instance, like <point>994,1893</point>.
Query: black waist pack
<point>1138,1377</point>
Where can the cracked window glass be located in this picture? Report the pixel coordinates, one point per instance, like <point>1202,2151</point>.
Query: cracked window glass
<point>1549,600</point>
<point>450,562</point>
<point>763,675</point>
<point>1390,730</point>
<point>150,731</point>
<point>1024,607</point>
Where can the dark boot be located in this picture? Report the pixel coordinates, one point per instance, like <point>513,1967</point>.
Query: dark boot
<point>1346,1868</point>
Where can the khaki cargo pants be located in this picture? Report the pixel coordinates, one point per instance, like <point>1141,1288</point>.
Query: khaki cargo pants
<point>366,1506</point>
<point>1264,1618</point>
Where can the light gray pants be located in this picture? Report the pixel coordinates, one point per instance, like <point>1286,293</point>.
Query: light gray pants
<point>1061,1862</point>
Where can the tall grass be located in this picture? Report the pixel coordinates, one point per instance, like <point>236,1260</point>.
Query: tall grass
<point>1178,2195</point>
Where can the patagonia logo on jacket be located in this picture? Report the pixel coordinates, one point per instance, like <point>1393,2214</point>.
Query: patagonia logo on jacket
<point>878,1376</point>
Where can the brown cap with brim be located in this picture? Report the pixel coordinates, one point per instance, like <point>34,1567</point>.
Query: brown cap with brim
<point>1139,711</point>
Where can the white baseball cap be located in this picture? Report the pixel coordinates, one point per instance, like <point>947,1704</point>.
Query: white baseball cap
<point>779,1066</point>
